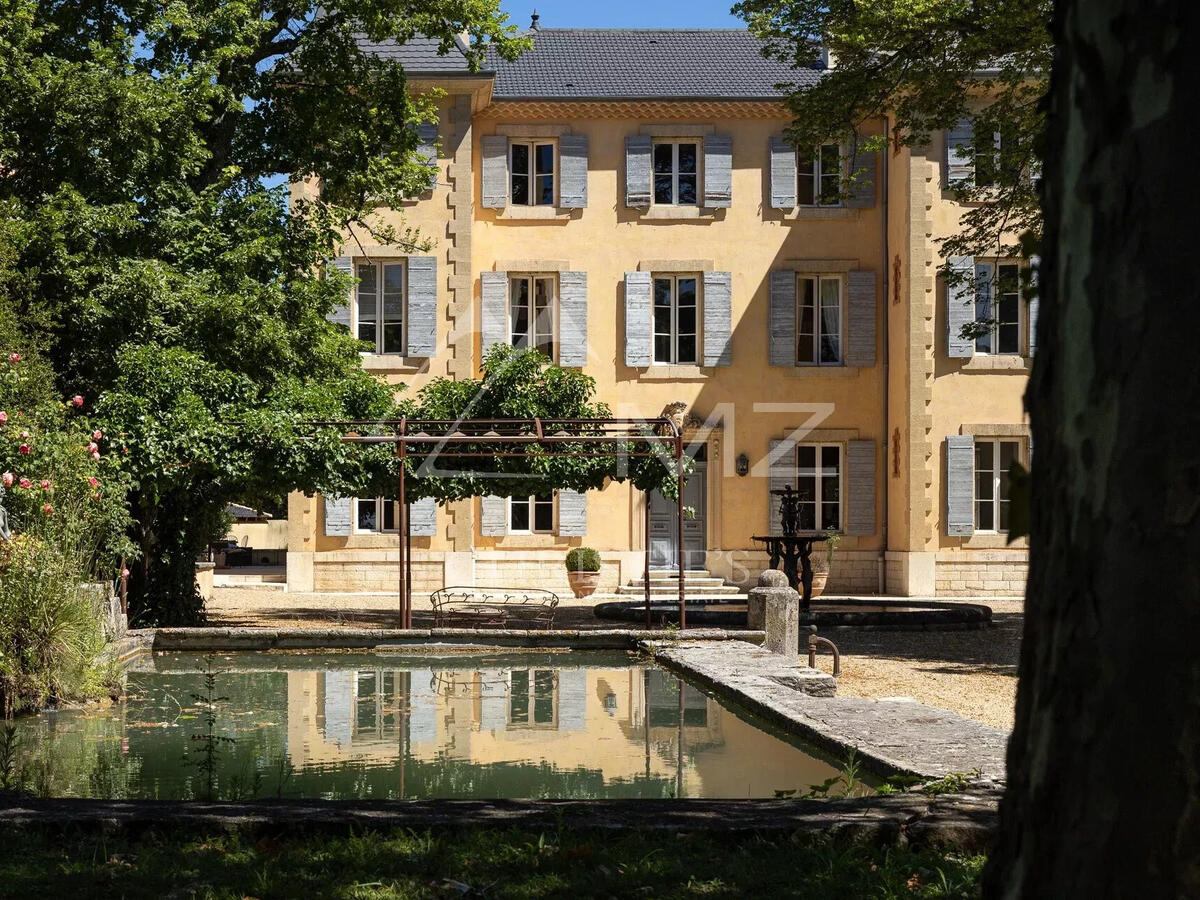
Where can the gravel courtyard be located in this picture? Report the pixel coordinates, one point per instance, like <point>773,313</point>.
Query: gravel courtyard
<point>972,673</point>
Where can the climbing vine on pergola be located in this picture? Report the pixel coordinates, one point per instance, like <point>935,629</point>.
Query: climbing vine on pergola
<point>527,427</point>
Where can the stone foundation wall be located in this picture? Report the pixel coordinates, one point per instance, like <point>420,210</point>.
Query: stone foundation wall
<point>982,574</point>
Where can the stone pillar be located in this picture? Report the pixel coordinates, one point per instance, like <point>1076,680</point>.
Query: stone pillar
<point>774,607</point>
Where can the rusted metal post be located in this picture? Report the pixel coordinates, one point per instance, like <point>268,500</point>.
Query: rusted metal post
<point>646,566</point>
<point>403,507</point>
<point>681,552</point>
<point>408,620</point>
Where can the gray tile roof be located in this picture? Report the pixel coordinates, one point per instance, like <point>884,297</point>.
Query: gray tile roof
<point>418,55</point>
<point>577,63</point>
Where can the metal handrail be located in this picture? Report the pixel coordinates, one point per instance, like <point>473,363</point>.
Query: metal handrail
<point>813,642</point>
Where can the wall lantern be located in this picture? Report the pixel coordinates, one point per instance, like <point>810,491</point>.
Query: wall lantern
<point>742,465</point>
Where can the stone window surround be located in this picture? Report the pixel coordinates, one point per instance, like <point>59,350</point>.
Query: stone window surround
<point>532,131</point>
<point>386,362</point>
<point>991,541</point>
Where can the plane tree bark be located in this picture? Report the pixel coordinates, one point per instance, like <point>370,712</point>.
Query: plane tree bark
<point>1104,765</point>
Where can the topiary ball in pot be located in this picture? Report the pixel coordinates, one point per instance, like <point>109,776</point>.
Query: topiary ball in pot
<point>583,571</point>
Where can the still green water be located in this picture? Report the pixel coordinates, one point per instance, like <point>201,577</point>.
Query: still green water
<point>363,726</point>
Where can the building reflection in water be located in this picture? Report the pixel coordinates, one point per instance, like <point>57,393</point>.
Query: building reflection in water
<point>627,724</point>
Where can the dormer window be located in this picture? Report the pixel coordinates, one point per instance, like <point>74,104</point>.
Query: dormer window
<point>531,173</point>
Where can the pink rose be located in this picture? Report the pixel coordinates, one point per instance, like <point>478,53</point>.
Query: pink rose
<point>124,573</point>
<point>46,484</point>
<point>96,454</point>
<point>47,509</point>
<point>95,495</point>
<point>8,479</point>
<point>93,447</point>
<point>3,418</point>
<point>25,482</point>
<point>93,480</point>
<point>97,434</point>
<point>14,357</point>
<point>24,435</point>
<point>25,449</point>
<point>77,400</point>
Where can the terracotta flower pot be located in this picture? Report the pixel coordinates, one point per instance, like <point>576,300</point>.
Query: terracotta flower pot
<point>818,585</point>
<point>583,584</point>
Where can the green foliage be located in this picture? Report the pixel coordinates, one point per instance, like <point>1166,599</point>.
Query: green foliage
<point>516,384</point>
<point>484,861</point>
<point>143,248</point>
<point>63,496</point>
<point>211,743</point>
<point>583,559</point>
<point>929,63</point>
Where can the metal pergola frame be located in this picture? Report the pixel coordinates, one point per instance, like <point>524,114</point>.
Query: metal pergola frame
<point>437,438</point>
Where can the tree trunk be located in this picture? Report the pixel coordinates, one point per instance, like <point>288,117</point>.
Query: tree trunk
<point>1104,764</point>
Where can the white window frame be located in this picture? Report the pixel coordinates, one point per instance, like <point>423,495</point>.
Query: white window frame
<point>532,333</point>
<point>986,344</point>
<point>531,500</point>
<point>531,696</point>
<point>990,156</point>
<point>675,143</point>
<point>532,175</point>
<point>819,474</point>
<point>998,477</point>
<point>818,279</point>
<point>380,267</point>
<point>674,278</point>
<point>819,175</point>
<point>380,506</point>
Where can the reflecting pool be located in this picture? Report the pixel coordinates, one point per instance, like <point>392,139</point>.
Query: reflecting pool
<point>380,725</point>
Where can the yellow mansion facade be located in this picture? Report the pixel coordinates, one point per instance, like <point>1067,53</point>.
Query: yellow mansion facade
<point>625,202</point>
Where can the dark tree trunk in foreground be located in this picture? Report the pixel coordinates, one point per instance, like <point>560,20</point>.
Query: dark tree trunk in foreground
<point>1104,765</point>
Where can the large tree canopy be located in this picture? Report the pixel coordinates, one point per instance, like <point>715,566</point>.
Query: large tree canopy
<point>141,247</point>
<point>929,64</point>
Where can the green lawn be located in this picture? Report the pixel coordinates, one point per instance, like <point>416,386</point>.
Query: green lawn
<point>66,864</point>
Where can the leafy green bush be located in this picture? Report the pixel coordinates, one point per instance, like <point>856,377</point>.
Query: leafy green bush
<point>583,559</point>
<point>63,498</point>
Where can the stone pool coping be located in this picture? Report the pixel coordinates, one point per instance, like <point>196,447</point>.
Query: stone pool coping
<point>964,821</point>
<point>888,736</point>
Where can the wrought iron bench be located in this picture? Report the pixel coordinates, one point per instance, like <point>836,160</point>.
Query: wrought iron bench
<point>482,607</point>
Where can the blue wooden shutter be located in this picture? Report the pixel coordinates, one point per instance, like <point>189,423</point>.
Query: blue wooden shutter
<point>960,485</point>
<point>493,519</point>
<point>860,317</point>
<point>781,321</point>
<point>422,305</point>
<point>495,171</point>
<point>781,472</point>
<point>572,514</point>
<point>422,517</point>
<point>783,173</point>
<point>1035,263</point>
<point>637,319</point>
<point>340,314</point>
<point>427,150</point>
<point>572,319</point>
<point>960,157</point>
<point>718,315</point>
<point>718,170</point>
<point>960,306</point>
<point>861,466</point>
<point>862,178</point>
<point>637,170</point>
<point>573,171</point>
<point>337,516</point>
<point>493,310</point>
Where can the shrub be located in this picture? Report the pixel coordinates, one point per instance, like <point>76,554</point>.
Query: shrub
<point>583,559</point>
<point>63,497</point>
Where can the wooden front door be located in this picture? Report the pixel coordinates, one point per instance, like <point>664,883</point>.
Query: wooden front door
<point>664,520</point>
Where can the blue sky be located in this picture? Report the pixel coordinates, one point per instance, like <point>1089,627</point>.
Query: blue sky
<point>624,13</point>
